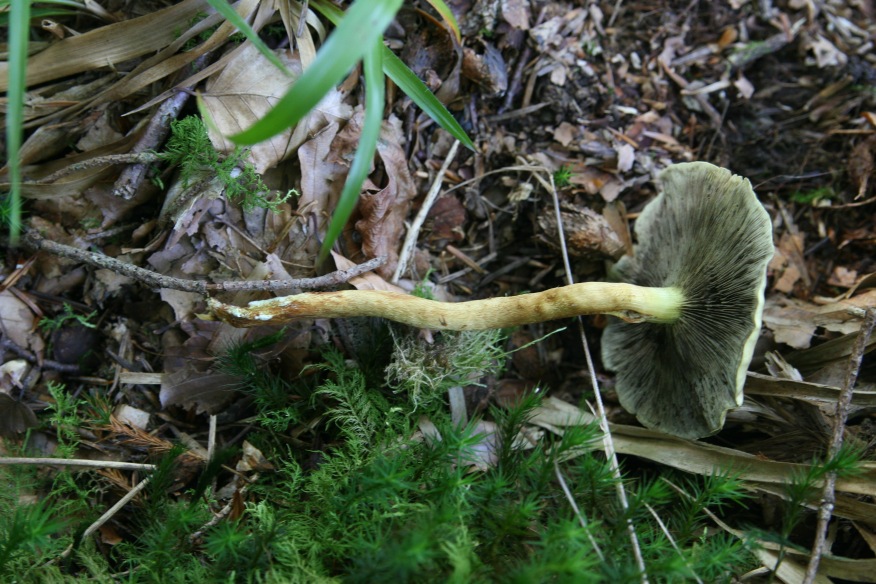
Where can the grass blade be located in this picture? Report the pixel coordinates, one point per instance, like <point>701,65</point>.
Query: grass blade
<point>375,87</point>
<point>444,10</point>
<point>414,88</point>
<point>231,15</point>
<point>409,83</point>
<point>362,25</point>
<point>19,27</point>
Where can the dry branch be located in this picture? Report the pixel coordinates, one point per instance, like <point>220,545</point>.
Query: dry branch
<point>33,240</point>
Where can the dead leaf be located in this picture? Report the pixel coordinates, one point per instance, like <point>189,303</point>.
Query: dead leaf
<point>788,265</point>
<point>18,323</point>
<point>131,416</point>
<point>565,133</point>
<point>446,219</point>
<point>207,393</point>
<point>322,177</point>
<point>253,459</point>
<point>843,277</point>
<point>861,165</point>
<point>794,321</point>
<point>487,70</point>
<point>15,416</point>
<point>384,212</point>
<point>588,234</point>
<point>108,45</point>
<point>516,13</point>
<point>241,94</point>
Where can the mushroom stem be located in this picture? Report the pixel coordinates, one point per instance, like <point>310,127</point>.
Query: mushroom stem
<point>632,303</point>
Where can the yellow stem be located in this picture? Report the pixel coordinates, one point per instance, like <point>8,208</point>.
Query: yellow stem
<point>630,302</point>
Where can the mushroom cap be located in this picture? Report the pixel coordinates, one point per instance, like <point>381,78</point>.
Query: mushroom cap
<point>707,235</point>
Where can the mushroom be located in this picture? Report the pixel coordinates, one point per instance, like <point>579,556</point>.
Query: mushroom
<point>708,237</point>
<point>690,302</point>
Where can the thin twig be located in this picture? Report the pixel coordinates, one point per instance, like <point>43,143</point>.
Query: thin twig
<point>109,514</point>
<point>414,230</point>
<point>224,512</point>
<point>98,161</point>
<point>607,441</point>
<point>828,494</point>
<point>581,519</point>
<point>30,357</point>
<point>78,462</point>
<point>156,280</point>
<point>130,179</point>
<point>671,540</point>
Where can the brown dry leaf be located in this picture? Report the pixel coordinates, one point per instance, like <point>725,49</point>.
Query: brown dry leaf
<point>253,459</point>
<point>246,89</point>
<point>565,133</point>
<point>384,212</point>
<point>109,535</point>
<point>446,219</point>
<point>487,70</point>
<point>794,321</point>
<point>861,165</point>
<point>788,264</point>
<point>322,177</point>
<point>843,277</point>
<point>18,323</point>
<point>595,181</point>
<point>818,393</point>
<point>588,234</point>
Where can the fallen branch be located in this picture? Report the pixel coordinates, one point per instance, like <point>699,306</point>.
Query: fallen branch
<point>35,241</point>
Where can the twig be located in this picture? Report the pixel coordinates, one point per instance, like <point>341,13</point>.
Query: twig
<point>78,462</point>
<point>671,540</point>
<point>109,514</point>
<point>30,357</point>
<point>414,230</point>
<point>607,441</point>
<point>581,519</point>
<point>224,512</point>
<point>156,132</point>
<point>97,161</point>
<point>156,280</point>
<point>828,494</point>
<point>516,78</point>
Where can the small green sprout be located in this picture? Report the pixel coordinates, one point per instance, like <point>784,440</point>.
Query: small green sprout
<point>562,177</point>
<point>67,315</point>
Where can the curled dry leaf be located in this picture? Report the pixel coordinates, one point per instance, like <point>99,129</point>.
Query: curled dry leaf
<point>487,70</point>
